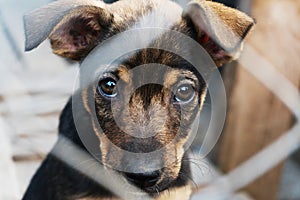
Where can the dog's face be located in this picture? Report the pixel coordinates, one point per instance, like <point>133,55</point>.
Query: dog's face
<point>141,105</point>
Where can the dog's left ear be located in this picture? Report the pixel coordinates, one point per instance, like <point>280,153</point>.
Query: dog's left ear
<point>220,29</point>
<point>79,31</point>
<point>73,26</point>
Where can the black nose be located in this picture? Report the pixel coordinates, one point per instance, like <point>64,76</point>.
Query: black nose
<point>146,179</point>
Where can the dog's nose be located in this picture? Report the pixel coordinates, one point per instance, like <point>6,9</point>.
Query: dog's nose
<point>146,179</point>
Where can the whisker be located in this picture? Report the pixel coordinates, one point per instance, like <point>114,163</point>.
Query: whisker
<point>203,169</point>
<point>189,178</point>
<point>201,162</point>
<point>197,165</point>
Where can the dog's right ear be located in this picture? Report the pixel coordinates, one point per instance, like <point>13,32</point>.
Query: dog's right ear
<point>220,30</point>
<point>74,27</point>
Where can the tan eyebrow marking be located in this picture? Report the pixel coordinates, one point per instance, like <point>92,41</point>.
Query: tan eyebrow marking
<point>173,76</point>
<point>124,74</point>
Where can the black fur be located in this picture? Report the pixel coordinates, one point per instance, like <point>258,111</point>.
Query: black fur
<point>55,180</point>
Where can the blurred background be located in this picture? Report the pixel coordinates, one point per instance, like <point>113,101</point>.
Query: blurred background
<point>262,90</point>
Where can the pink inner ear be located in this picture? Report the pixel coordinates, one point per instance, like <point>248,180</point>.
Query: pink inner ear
<point>203,39</point>
<point>84,31</point>
<point>78,38</point>
<point>213,49</point>
<point>69,46</point>
<point>201,26</point>
<point>75,37</point>
<point>207,41</point>
<point>64,42</point>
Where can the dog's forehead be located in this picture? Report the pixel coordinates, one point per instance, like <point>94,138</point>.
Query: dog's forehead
<point>152,62</point>
<point>153,66</point>
<point>161,14</point>
<point>146,13</point>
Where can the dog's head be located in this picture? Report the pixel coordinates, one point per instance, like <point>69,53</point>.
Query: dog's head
<point>146,100</point>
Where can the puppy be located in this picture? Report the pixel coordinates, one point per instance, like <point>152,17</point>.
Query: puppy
<point>140,107</point>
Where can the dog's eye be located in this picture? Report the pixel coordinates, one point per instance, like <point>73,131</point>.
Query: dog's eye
<point>107,87</point>
<point>184,93</point>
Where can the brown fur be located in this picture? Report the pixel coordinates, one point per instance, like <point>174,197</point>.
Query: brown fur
<point>151,111</point>
<point>220,29</point>
<point>81,31</point>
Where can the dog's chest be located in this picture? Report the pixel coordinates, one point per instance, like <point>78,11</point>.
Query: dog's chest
<point>179,193</point>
